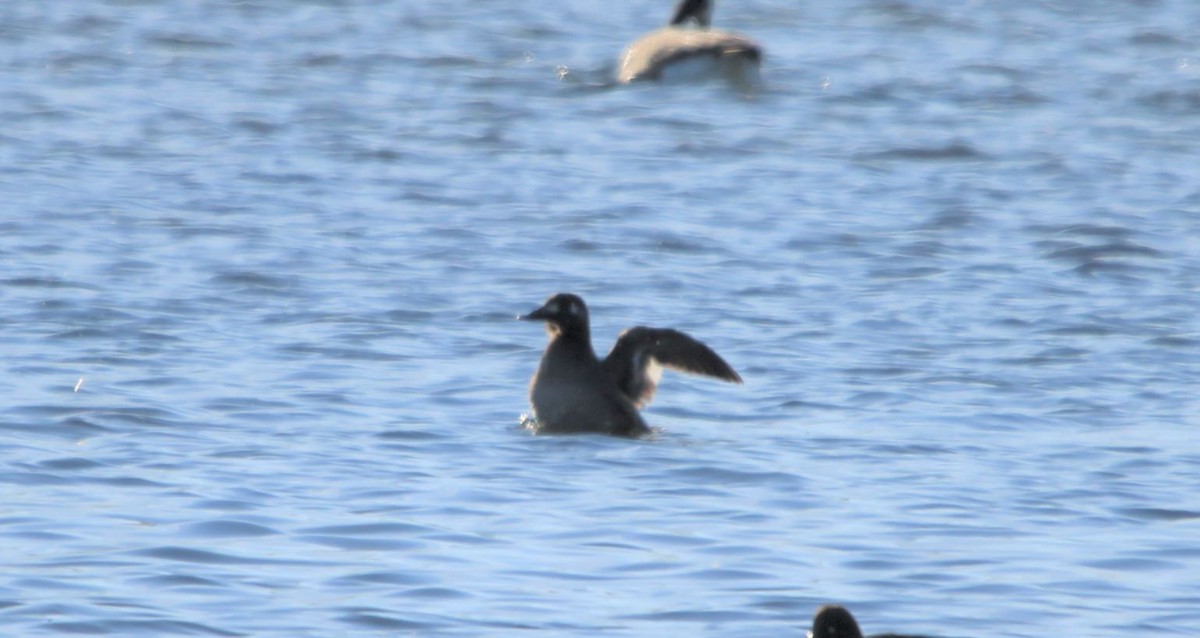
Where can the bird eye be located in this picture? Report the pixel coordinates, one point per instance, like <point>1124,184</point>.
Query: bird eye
<point>552,307</point>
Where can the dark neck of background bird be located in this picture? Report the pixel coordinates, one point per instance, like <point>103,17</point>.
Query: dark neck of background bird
<point>698,10</point>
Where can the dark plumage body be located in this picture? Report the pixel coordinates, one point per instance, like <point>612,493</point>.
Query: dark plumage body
<point>573,391</point>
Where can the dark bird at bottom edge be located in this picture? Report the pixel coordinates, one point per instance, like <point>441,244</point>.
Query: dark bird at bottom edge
<point>835,621</point>
<point>574,392</point>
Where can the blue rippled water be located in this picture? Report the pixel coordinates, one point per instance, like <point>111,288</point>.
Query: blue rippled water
<point>262,376</point>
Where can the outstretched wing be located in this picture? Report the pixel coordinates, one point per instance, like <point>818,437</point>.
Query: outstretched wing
<point>636,361</point>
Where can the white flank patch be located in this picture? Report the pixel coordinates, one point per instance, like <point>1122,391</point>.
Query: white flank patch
<point>653,370</point>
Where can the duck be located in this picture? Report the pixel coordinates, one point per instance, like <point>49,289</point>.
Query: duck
<point>679,52</point>
<point>575,392</point>
<point>835,621</point>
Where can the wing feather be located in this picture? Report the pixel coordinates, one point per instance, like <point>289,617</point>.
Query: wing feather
<point>636,361</point>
